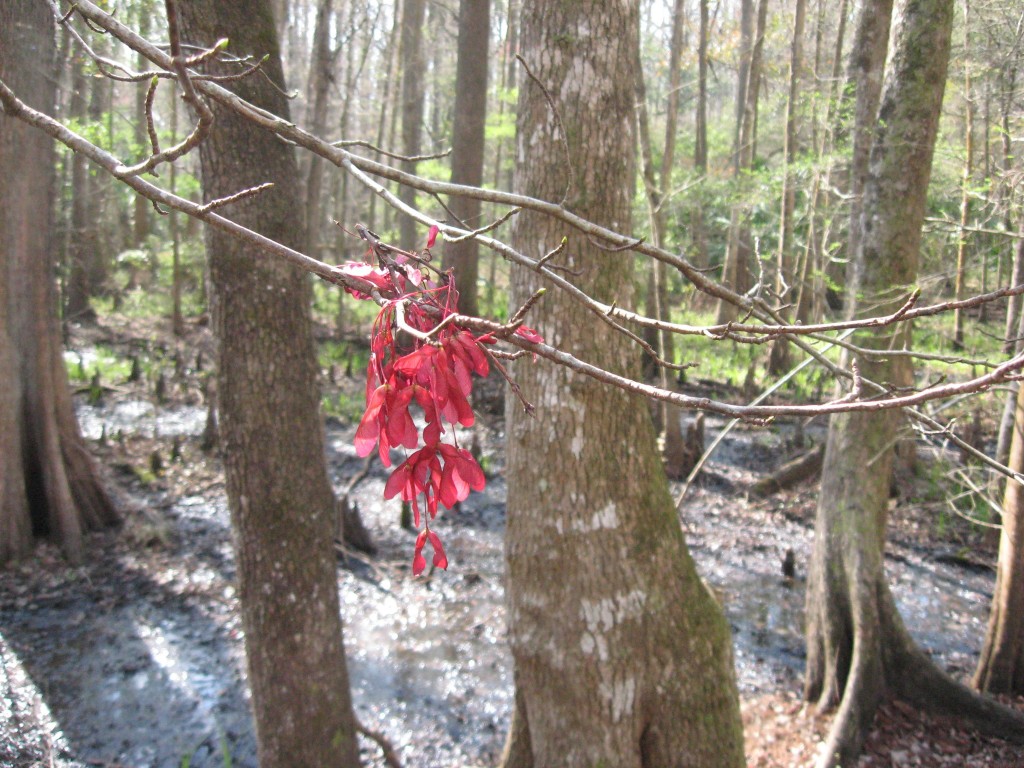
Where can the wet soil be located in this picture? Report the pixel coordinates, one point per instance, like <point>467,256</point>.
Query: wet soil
<point>136,658</point>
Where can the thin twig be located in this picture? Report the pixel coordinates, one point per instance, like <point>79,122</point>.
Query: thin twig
<point>245,193</point>
<point>484,230</point>
<point>563,137</point>
<point>393,155</point>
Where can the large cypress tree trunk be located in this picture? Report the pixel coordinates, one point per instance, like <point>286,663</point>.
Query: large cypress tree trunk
<point>1001,668</point>
<point>622,656</point>
<point>857,646</point>
<point>282,505</point>
<point>48,482</point>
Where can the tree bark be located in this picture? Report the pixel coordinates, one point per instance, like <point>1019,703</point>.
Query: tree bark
<point>320,77</point>
<point>468,142</point>
<point>49,486</point>
<point>1013,345</point>
<point>82,244</point>
<point>786,283</point>
<point>141,213</point>
<point>965,191</point>
<point>413,12</point>
<point>739,249</point>
<point>387,87</point>
<point>657,185</point>
<point>282,505</point>
<point>1001,667</point>
<point>742,75</point>
<point>700,144</point>
<point>177,320</point>
<point>811,291</point>
<point>857,646</point>
<point>631,665</point>
<point>867,65</point>
<point>1008,87</point>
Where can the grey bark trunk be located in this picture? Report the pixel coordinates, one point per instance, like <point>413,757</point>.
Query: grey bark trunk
<point>627,665</point>
<point>739,249</point>
<point>965,191</point>
<point>282,505</point>
<point>1001,667</point>
<point>320,78</point>
<point>867,64</point>
<point>468,142</point>
<point>787,286</point>
<point>857,647</point>
<point>413,12</point>
<point>82,243</point>
<point>700,150</point>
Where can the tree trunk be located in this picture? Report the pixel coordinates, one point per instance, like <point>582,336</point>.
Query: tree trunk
<point>82,243</point>
<point>786,284</point>
<point>49,486</point>
<point>742,75</point>
<point>504,173</point>
<point>1013,345</point>
<point>320,78</point>
<point>965,191</point>
<point>857,646</point>
<point>177,320</point>
<point>811,290</point>
<point>387,87</point>
<point>141,217</point>
<point>412,108</point>
<point>736,272</point>
<point>468,142</point>
<point>1001,667</point>
<point>700,150</point>
<point>867,65</point>
<point>657,186</point>
<point>282,505</point>
<point>631,665</point>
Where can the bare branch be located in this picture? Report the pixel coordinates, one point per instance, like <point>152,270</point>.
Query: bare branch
<point>392,155</point>
<point>245,193</point>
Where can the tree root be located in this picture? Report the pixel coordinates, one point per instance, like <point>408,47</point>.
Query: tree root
<point>390,756</point>
<point>920,682</point>
<point>886,658</point>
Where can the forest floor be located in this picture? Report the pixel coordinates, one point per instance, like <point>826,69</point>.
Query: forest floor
<point>135,658</point>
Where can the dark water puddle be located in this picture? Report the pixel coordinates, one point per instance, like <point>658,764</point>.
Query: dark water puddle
<point>138,659</point>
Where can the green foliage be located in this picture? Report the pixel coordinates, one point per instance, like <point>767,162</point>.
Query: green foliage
<point>109,364</point>
<point>436,170</point>
<point>345,406</point>
<point>500,126</point>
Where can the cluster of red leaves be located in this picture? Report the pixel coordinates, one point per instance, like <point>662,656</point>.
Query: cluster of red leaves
<point>430,367</point>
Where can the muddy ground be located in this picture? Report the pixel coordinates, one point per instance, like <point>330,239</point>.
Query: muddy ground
<point>135,659</point>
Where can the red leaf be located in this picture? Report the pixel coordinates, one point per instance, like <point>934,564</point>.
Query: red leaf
<point>529,334</point>
<point>440,560</point>
<point>418,563</point>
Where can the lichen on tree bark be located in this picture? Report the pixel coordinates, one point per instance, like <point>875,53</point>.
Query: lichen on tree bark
<point>622,656</point>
